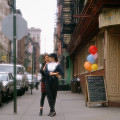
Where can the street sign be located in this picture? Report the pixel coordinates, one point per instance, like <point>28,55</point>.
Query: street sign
<point>21,27</point>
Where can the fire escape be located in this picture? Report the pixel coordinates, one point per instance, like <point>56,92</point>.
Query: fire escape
<point>68,21</point>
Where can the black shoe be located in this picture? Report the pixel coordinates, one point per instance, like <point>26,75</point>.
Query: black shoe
<point>41,111</point>
<point>49,113</point>
<point>53,114</point>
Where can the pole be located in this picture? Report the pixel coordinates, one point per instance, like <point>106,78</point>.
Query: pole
<point>32,67</point>
<point>45,45</point>
<point>14,54</point>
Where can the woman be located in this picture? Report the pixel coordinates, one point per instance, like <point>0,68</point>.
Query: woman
<point>52,71</point>
<point>43,91</point>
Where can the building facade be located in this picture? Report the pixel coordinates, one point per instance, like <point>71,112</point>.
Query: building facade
<point>21,51</point>
<point>97,23</point>
<point>35,33</point>
<point>66,24</point>
<point>99,27</point>
<point>4,42</point>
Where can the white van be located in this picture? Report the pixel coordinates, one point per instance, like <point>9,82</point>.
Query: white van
<point>21,77</point>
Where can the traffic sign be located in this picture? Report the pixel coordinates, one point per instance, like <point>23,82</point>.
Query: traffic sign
<point>21,27</point>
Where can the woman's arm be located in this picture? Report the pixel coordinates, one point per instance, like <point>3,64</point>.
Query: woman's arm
<point>46,72</point>
<point>58,72</point>
<point>53,73</point>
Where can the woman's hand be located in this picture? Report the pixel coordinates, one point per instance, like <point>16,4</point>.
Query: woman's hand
<point>45,66</point>
<point>53,73</point>
<point>58,75</point>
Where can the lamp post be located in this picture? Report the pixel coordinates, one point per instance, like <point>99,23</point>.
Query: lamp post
<point>32,62</point>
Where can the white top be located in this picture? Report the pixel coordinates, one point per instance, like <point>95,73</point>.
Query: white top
<point>52,66</point>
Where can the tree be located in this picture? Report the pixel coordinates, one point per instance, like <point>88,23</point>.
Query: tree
<point>41,58</point>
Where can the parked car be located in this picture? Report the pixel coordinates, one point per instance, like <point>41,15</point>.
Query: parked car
<point>31,81</point>
<point>8,87</point>
<point>39,77</point>
<point>36,81</point>
<point>22,84</point>
<point>21,77</point>
<point>1,88</point>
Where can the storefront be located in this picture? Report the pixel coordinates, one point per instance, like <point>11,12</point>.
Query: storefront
<point>103,31</point>
<point>109,21</point>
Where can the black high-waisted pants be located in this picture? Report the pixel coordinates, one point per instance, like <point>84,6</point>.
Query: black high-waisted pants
<point>52,94</point>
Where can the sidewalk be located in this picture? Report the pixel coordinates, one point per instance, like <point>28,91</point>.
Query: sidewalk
<point>69,106</point>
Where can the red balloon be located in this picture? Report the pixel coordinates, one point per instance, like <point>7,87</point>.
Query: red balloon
<point>93,49</point>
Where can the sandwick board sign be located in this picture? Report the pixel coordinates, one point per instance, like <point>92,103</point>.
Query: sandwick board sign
<point>95,89</point>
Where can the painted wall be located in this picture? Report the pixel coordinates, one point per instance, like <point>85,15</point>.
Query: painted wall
<point>109,17</point>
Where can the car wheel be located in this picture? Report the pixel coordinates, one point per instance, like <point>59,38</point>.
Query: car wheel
<point>26,88</point>
<point>5,98</point>
<point>0,98</point>
<point>21,92</point>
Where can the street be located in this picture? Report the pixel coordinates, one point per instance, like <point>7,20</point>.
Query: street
<point>69,106</point>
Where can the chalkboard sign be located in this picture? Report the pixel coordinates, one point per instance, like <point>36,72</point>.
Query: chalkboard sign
<point>96,89</point>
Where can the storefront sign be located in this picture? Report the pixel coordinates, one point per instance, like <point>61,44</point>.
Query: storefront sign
<point>109,17</point>
<point>4,58</point>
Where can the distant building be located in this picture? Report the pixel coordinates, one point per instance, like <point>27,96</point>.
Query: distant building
<point>36,34</point>
<point>21,51</point>
<point>36,54</point>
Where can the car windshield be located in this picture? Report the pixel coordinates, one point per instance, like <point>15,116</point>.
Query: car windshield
<point>3,77</point>
<point>19,70</point>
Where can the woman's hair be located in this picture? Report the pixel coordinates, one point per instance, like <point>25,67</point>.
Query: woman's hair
<point>46,54</point>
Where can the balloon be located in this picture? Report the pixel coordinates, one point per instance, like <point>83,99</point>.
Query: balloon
<point>90,58</point>
<point>87,66</point>
<point>94,67</point>
<point>93,49</point>
<point>95,55</point>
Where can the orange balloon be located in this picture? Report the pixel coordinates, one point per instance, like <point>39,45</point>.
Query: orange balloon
<point>87,66</point>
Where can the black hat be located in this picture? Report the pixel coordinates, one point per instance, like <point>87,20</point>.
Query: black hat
<point>54,56</point>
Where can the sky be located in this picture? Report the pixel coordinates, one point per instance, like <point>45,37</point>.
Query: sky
<point>40,14</point>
